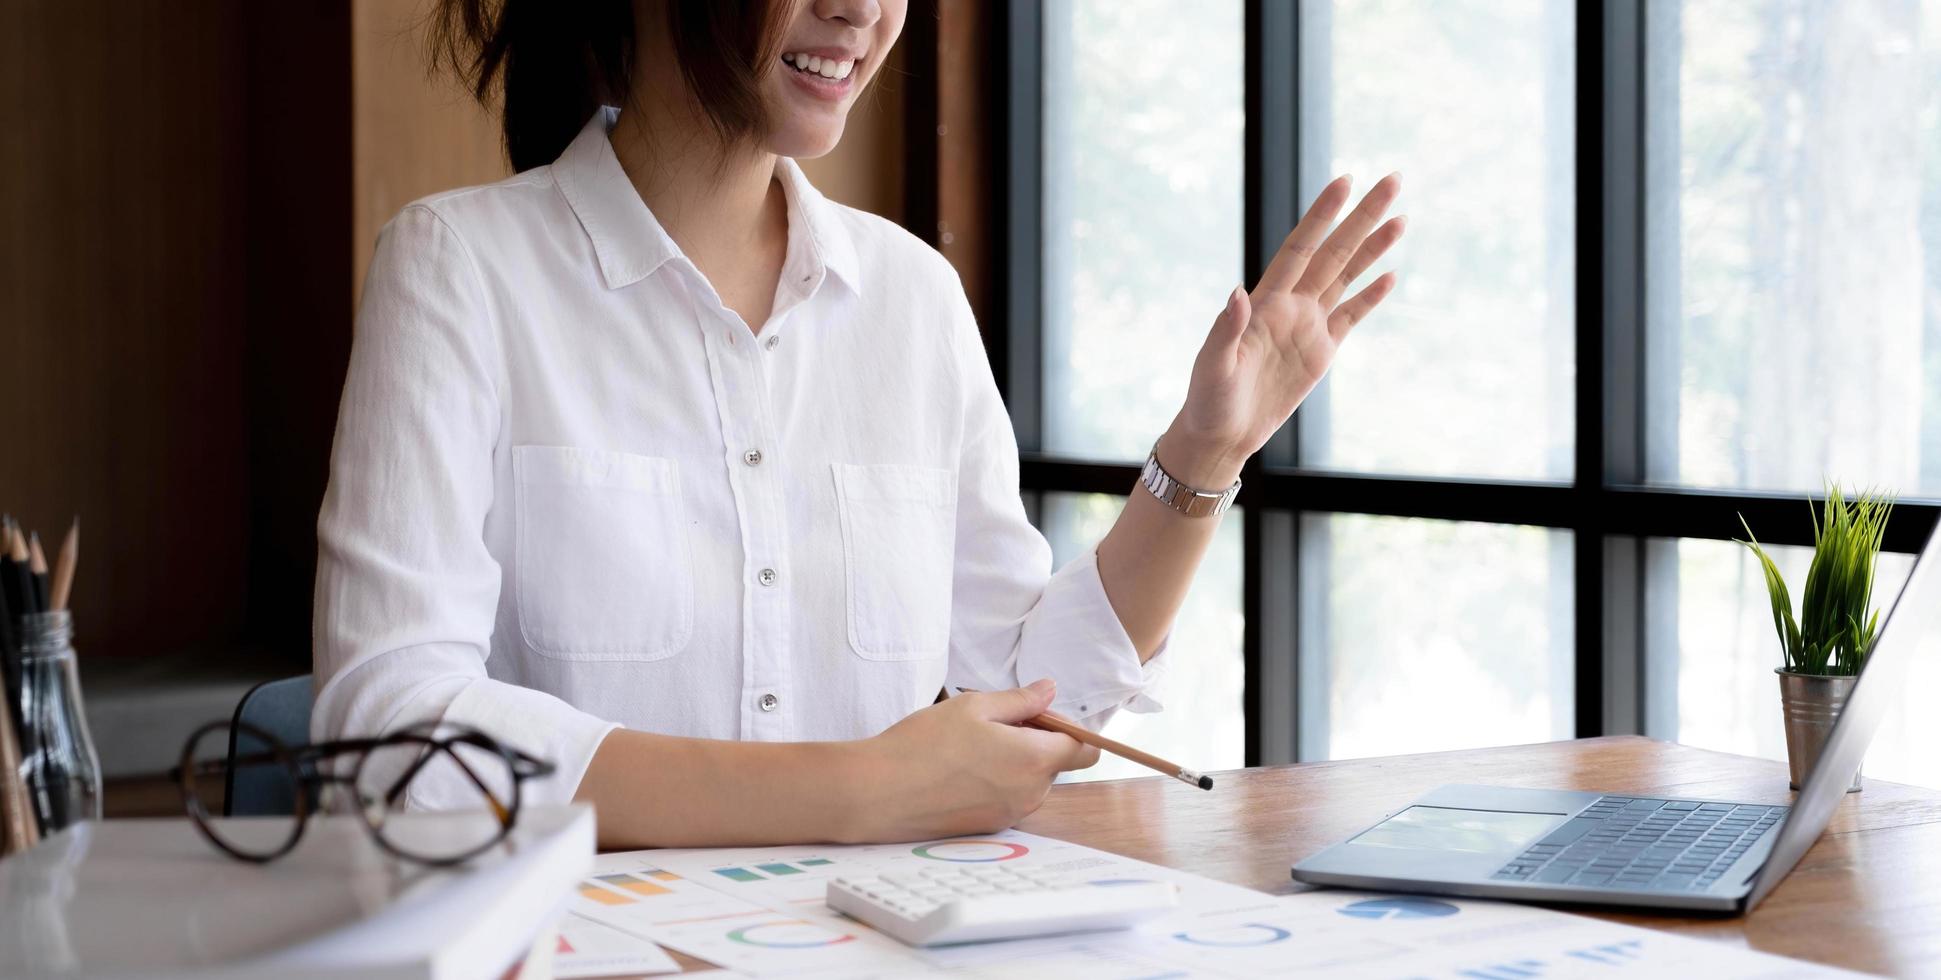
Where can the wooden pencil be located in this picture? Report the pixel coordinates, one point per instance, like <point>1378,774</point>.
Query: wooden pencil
<point>19,579</point>
<point>1051,722</point>
<point>19,828</point>
<point>63,582</point>
<point>9,582</point>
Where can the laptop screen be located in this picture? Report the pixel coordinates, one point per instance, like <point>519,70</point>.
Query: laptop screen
<point>1910,619</point>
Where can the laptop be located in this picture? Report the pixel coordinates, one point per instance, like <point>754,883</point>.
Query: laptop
<point>1561,846</point>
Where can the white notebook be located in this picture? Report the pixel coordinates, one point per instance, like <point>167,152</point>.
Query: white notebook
<point>152,898</point>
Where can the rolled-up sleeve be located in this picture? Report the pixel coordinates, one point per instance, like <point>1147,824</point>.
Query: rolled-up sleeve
<point>406,589</point>
<point>1013,620</point>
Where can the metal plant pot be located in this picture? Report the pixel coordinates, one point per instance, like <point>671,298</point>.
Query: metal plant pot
<point>1811,704</point>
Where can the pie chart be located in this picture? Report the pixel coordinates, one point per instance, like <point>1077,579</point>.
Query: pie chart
<point>1399,908</point>
<point>787,934</point>
<point>971,851</point>
<point>1250,934</point>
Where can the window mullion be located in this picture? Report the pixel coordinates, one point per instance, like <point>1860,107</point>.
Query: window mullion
<point>1271,538</point>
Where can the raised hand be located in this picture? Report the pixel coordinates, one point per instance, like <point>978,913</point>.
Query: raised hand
<point>1270,347</point>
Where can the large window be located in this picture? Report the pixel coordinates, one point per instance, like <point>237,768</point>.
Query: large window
<point>1668,263</point>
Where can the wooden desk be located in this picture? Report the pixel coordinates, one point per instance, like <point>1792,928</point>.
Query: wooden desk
<point>1866,897</point>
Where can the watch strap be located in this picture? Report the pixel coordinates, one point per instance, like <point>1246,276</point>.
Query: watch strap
<point>1181,497</point>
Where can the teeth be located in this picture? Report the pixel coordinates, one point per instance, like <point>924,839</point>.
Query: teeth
<point>829,68</point>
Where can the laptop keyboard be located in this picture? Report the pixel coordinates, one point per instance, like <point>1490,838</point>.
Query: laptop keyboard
<point>1648,845</point>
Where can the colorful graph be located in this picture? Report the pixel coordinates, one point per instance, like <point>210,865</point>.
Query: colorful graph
<point>1398,908</point>
<point>771,869</point>
<point>634,883</point>
<point>1251,934</point>
<point>971,851</point>
<point>787,934</point>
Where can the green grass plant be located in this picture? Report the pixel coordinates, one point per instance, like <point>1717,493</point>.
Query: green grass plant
<point>1836,625</point>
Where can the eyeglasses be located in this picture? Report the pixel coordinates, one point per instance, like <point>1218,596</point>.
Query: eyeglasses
<point>373,776</point>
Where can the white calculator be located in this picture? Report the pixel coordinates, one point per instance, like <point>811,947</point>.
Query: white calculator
<point>937,906</point>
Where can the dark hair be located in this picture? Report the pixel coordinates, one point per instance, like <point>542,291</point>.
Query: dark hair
<point>554,62</point>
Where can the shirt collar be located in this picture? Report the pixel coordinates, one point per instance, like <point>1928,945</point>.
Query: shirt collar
<point>630,242</point>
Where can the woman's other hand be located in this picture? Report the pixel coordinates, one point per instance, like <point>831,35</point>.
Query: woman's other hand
<point>963,766</point>
<point>1270,347</point>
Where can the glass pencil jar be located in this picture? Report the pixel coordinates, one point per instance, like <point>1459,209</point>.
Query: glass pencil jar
<point>58,764</point>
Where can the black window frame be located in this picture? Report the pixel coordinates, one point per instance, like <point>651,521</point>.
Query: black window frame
<point>1607,507</point>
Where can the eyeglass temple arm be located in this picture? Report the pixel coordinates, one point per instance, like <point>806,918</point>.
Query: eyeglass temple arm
<point>315,753</point>
<point>299,755</point>
<point>397,789</point>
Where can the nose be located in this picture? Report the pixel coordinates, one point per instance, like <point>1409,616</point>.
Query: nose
<point>858,14</point>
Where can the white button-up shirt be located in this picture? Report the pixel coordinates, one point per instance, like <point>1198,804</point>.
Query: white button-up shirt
<point>571,490</point>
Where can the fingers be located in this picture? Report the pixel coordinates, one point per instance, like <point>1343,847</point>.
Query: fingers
<point>1231,324</point>
<point>1061,753</point>
<point>1015,706</point>
<point>1079,756</point>
<point>1345,316</point>
<point>1291,260</point>
<point>1377,244</point>
<point>1334,254</point>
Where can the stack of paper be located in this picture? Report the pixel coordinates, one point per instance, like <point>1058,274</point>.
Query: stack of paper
<point>152,898</point>
<point>760,911</point>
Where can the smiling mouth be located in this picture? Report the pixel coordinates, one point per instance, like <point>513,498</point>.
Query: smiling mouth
<point>831,69</point>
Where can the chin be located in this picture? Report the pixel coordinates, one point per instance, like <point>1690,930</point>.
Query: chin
<point>795,138</point>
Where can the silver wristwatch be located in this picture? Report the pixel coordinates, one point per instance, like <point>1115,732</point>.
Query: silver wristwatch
<point>1179,496</point>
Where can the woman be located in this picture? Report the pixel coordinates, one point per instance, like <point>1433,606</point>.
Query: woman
<point>653,462</point>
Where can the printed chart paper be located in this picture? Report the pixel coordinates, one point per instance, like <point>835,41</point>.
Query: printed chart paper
<point>638,894</point>
<point>586,948</point>
<point>760,911</point>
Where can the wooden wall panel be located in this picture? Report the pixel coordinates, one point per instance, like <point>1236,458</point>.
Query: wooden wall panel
<point>412,133</point>
<point>121,309</point>
<point>969,94</point>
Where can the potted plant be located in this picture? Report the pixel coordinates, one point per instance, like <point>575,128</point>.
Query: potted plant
<point>1826,647</point>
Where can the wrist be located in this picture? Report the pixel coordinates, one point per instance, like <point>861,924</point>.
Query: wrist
<point>1207,465</point>
<point>858,774</point>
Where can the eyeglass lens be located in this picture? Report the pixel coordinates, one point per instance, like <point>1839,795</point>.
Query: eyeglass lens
<point>264,786</point>
<point>473,785</point>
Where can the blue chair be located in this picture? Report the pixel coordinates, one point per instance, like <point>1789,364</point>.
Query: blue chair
<point>282,709</point>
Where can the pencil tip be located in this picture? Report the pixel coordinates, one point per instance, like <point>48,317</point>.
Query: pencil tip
<point>1206,782</point>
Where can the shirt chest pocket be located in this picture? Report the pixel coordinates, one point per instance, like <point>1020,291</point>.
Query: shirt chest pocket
<point>602,570</point>
<point>899,543</point>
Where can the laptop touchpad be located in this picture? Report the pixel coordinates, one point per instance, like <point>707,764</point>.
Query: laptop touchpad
<point>1445,829</point>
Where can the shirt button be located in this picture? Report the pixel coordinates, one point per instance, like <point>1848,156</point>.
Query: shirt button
<point>769,701</point>
<point>767,576</point>
<point>753,457</point>
<point>771,342</point>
